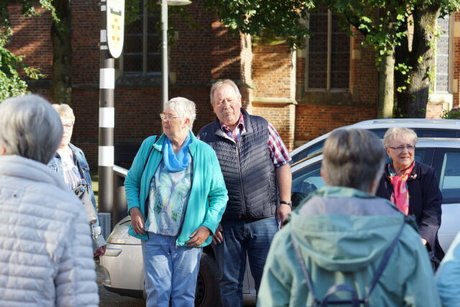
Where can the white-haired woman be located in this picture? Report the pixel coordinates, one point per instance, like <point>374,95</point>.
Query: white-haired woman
<point>45,247</point>
<point>70,163</point>
<point>176,196</point>
<point>412,187</point>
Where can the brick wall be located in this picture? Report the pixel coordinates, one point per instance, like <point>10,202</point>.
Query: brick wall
<point>202,53</point>
<point>86,25</point>
<point>271,71</point>
<point>363,72</point>
<point>282,116</point>
<point>31,39</point>
<point>315,120</point>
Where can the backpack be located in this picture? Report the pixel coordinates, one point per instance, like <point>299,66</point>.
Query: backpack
<point>354,301</point>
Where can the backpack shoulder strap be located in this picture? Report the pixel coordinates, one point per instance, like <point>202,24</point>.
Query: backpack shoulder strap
<point>306,273</point>
<point>384,261</point>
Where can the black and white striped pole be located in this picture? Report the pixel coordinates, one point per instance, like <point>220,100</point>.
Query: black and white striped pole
<point>111,46</point>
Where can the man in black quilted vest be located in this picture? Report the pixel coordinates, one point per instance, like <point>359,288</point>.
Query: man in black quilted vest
<point>255,165</point>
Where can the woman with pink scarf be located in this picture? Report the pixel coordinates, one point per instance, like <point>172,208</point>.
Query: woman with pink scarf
<point>413,188</point>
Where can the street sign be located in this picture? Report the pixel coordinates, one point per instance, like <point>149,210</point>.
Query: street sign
<point>115,26</point>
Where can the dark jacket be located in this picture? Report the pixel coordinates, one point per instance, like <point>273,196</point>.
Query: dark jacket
<point>247,167</point>
<point>425,201</point>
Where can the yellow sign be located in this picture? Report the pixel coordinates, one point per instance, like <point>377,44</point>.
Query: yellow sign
<point>115,26</point>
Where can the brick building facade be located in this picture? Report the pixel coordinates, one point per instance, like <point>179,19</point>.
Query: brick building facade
<point>305,93</point>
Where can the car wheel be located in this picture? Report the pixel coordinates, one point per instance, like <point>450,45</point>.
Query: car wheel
<point>207,286</point>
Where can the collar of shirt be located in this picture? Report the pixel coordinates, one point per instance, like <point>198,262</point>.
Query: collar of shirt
<point>236,133</point>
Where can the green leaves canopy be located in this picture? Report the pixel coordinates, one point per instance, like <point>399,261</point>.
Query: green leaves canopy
<point>265,18</point>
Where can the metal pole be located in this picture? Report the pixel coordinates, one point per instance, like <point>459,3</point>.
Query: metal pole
<point>106,118</point>
<point>164,51</point>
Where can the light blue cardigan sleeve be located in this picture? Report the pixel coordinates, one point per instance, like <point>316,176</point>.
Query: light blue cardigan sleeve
<point>133,180</point>
<point>448,275</point>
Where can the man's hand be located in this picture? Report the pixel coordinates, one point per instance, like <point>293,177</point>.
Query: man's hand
<point>218,237</point>
<point>198,237</point>
<point>137,221</point>
<point>282,213</point>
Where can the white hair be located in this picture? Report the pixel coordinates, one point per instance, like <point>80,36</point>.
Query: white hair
<point>184,108</point>
<point>395,133</point>
<point>219,83</point>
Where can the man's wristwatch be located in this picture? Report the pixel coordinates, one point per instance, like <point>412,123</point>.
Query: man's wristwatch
<point>284,202</point>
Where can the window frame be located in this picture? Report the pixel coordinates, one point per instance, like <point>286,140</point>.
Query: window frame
<point>144,74</point>
<point>328,89</point>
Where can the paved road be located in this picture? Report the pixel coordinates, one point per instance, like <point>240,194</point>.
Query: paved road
<point>109,299</point>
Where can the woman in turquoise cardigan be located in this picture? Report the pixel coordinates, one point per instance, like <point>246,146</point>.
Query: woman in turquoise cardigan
<point>176,197</point>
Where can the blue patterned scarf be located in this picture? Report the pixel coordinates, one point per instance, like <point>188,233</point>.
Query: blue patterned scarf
<point>176,162</point>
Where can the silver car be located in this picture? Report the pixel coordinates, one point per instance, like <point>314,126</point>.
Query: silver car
<point>438,128</point>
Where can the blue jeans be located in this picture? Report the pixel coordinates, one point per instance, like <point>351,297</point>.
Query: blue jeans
<point>241,239</point>
<point>170,271</point>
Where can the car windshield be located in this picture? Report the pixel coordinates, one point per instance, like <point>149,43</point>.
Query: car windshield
<point>308,179</point>
<point>317,148</point>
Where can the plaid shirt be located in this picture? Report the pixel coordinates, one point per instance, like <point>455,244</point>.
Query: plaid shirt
<point>278,151</point>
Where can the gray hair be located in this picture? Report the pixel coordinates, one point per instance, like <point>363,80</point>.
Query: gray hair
<point>353,158</point>
<point>396,133</point>
<point>30,127</point>
<point>65,111</point>
<point>184,107</point>
<point>219,83</point>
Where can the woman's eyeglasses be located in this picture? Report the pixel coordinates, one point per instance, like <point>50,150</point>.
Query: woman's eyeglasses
<point>401,148</point>
<point>167,117</point>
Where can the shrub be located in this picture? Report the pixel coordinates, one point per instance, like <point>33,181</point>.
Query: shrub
<point>452,114</point>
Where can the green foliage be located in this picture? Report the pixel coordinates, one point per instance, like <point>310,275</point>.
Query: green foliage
<point>268,19</point>
<point>12,67</point>
<point>382,22</point>
<point>404,70</point>
<point>452,114</point>
<point>10,81</point>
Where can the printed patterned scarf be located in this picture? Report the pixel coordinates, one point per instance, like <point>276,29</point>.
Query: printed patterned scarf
<point>400,196</point>
<point>176,162</point>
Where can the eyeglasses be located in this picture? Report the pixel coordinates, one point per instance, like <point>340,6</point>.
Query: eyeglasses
<point>401,148</point>
<point>167,117</point>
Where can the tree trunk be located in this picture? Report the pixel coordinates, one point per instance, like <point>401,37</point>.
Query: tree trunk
<point>413,100</point>
<point>62,50</point>
<point>386,87</point>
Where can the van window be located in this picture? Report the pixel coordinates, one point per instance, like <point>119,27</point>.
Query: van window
<point>449,181</point>
<point>305,181</point>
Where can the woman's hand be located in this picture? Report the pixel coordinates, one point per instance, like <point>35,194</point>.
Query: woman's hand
<point>198,237</point>
<point>137,221</point>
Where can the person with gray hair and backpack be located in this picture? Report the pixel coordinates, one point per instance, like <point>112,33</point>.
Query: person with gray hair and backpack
<point>345,246</point>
